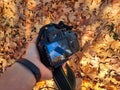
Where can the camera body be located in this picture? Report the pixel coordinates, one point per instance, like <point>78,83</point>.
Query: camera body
<point>55,43</point>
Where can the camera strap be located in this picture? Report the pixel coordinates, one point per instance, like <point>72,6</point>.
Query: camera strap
<point>64,81</point>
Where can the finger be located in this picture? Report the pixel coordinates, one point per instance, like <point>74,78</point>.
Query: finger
<point>64,65</point>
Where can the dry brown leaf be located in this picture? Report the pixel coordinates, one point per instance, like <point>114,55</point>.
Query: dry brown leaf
<point>99,61</point>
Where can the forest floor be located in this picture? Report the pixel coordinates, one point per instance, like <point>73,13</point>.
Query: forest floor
<point>97,23</point>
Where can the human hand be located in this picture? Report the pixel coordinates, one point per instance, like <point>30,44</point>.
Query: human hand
<point>32,55</point>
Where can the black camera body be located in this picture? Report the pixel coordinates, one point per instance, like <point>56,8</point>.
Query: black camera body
<point>55,43</point>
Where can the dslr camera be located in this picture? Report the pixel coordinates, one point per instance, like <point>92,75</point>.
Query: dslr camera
<point>55,43</point>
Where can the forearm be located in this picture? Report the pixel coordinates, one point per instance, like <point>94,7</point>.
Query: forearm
<point>17,77</point>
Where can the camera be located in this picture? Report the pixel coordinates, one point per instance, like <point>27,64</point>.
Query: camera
<point>55,43</point>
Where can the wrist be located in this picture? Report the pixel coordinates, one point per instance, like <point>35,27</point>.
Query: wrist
<point>31,67</point>
<point>35,61</point>
<point>45,72</point>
